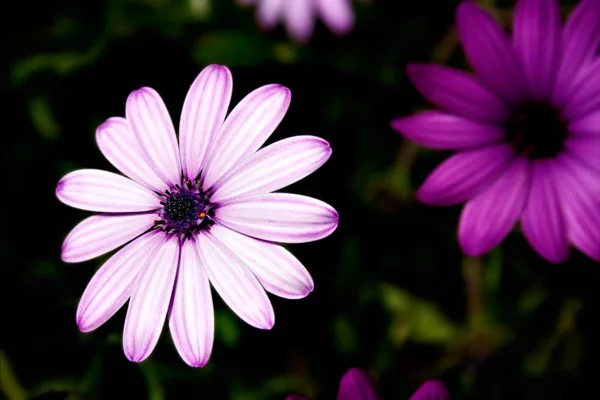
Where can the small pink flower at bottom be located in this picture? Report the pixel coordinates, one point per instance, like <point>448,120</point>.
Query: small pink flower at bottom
<point>196,212</point>
<point>299,16</point>
<point>526,126</point>
<point>357,385</point>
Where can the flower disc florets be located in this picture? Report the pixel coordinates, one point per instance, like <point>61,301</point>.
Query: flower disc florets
<point>186,210</point>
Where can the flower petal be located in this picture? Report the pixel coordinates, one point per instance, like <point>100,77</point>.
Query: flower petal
<point>150,300</point>
<point>119,145</point>
<point>431,390</point>
<point>584,95</point>
<point>463,175</point>
<point>202,116</point>
<point>273,167</point>
<point>278,271</point>
<point>357,385</point>
<point>457,91</point>
<point>542,219</point>
<point>586,126</point>
<point>489,217</point>
<point>587,149</point>
<point>337,14</point>
<point>279,217</point>
<point>96,190</point>
<point>490,52</point>
<point>111,285</point>
<point>537,41</point>
<point>100,234</point>
<point>299,16</point>
<point>580,40</point>
<point>269,12</point>
<point>581,206</point>
<point>191,319</point>
<point>234,282</point>
<point>440,130</point>
<point>246,129</point>
<point>154,131</point>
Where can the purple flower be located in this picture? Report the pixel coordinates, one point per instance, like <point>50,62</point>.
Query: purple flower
<point>357,385</point>
<point>526,125</point>
<point>299,16</point>
<point>197,211</point>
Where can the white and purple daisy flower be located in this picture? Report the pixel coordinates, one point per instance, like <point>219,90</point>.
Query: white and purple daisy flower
<point>357,385</point>
<point>195,212</point>
<point>299,16</point>
<point>526,125</point>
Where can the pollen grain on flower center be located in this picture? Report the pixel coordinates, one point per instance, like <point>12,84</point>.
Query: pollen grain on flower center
<point>536,130</point>
<point>186,210</point>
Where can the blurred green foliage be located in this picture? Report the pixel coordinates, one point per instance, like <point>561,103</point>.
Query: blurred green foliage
<point>393,294</point>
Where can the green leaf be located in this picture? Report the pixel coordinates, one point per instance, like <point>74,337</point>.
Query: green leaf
<point>42,117</point>
<point>231,48</point>
<point>9,384</point>
<point>227,328</point>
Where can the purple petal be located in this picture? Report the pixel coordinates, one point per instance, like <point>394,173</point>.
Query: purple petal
<point>337,14</point>
<point>279,217</point>
<point>357,385</point>
<point>490,216</point>
<point>119,145</point>
<point>586,126</point>
<point>202,116</point>
<point>299,17</point>
<point>96,190</point>
<point>440,130</point>
<point>111,285</point>
<point>542,218</point>
<point>246,129</point>
<point>580,40</point>
<point>584,96</point>
<point>587,149</point>
<point>269,12</point>
<point>278,271</point>
<point>234,282</point>
<point>490,52</point>
<point>457,91</point>
<point>537,41</point>
<point>580,199</point>
<point>464,175</point>
<point>100,234</point>
<point>150,300</point>
<point>191,318</point>
<point>431,390</point>
<point>273,167</point>
<point>154,131</point>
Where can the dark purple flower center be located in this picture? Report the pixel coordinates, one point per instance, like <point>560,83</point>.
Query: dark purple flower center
<point>186,210</point>
<point>536,130</point>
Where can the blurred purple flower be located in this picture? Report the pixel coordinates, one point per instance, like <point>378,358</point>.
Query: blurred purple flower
<point>357,385</point>
<point>527,127</point>
<point>197,211</point>
<point>299,16</point>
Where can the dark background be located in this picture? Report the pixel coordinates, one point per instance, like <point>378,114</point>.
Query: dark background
<point>393,294</point>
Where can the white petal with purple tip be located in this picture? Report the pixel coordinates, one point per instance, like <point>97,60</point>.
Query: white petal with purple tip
<point>119,145</point>
<point>246,128</point>
<point>276,269</point>
<point>150,300</point>
<point>191,318</point>
<point>279,217</point>
<point>102,191</point>
<point>299,17</point>
<point>154,131</point>
<point>273,167</point>
<point>99,234</point>
<point>338,15</point>
<point>269,12</point>
<point>234,282</point>
<point>202,116</point>
<point>111,285</point>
